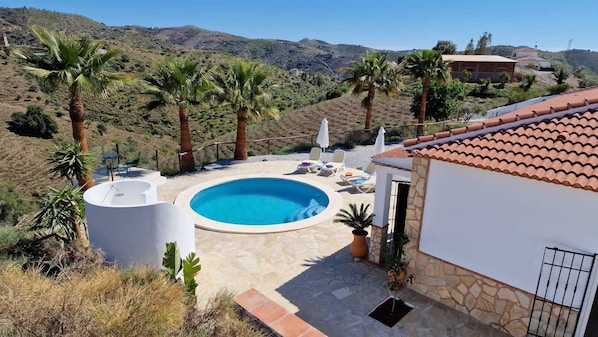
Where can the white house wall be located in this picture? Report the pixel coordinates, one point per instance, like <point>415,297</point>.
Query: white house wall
<point>498,225</point>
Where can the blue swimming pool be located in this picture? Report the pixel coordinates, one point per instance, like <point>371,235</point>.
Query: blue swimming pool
<point>259,201</point>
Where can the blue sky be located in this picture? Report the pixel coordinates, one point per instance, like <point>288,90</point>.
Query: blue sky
<point>393,25</point>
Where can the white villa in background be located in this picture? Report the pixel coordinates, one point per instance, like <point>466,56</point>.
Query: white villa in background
<point>502,216</point>
<point>529,57</point>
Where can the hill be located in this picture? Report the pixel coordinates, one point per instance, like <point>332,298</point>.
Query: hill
<point>310,56</point>
<point>122,118</point>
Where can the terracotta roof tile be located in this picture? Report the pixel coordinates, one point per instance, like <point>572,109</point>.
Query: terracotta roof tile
<point>442,134</point>
<point>458,131</point>
<point>474,127</point>
<point>410,142</point>
<point>398,152</point>
<point>561,150</point>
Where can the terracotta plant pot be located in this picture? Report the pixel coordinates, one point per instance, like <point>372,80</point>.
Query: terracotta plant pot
<point>392,276</point>
<point>359,247</point>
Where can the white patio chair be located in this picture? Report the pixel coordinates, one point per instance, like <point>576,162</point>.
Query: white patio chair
<point>337,164</point>
<point>364,185</point>
<point>313,162</point>
<point>368,173</point>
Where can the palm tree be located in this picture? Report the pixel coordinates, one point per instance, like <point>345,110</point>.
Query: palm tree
<point>69,161</point>
<point>80,64</point>
<point>241,87</point>
<point>181,83</point>
<point>373,74</point>
<point>426,65</point>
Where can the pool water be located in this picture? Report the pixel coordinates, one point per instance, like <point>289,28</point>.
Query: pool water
<point>259,201</point>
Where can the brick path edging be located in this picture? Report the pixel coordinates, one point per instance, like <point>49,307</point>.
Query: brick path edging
<point>274,316</point>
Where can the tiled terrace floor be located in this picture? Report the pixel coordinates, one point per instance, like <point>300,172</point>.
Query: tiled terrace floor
<point>310,271</point>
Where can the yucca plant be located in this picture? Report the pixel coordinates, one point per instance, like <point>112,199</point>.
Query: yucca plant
<point>69,161</point>
<point>62,216</point>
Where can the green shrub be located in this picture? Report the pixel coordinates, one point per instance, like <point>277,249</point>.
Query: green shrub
<point>34,123</point>
<point>102,128</point>
<point>519,94</point>
<point>301,147</point>
<point>10,236</point>
<point>12,206</point>
<point>169,171</point>
<point>558,88</point>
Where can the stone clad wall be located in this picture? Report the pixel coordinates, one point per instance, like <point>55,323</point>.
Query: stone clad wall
<point>378,237</point>
<point>500,305</point>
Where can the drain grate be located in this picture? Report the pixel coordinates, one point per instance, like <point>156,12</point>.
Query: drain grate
<point>384,313</point>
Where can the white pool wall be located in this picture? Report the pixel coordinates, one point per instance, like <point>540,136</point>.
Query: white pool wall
<point>133,228</point>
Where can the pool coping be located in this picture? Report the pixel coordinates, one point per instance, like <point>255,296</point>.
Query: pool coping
<point>335,203</point>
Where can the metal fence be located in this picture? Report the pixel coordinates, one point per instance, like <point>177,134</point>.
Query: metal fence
<point>158,159</point>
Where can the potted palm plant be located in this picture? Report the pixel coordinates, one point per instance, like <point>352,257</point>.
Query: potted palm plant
<point>358,219</point>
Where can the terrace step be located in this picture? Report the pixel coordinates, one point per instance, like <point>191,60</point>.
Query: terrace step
<point>274,316</point>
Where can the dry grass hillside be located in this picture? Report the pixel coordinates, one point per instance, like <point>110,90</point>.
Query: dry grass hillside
<point>344,114</point>
<point>25,159</point>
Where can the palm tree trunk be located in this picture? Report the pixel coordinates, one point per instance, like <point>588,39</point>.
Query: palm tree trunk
<point>368,113</point>
<point>422,107</point>
<point>77,115</point>
<point>82,239</point>
<point>187,160</point>
<point>241,142</point>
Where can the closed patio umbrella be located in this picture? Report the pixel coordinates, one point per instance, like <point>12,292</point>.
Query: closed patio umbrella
<point>379,145</point>
<point>323,140</point>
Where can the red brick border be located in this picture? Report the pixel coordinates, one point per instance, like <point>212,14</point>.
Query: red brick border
<point>275,316</point>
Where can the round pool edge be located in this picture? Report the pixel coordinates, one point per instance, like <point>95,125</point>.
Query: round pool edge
<point>183,201</point>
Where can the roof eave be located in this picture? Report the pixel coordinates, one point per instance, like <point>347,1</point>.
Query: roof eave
<point>400,163</point>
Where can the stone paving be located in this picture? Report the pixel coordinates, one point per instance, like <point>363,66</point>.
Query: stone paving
<point>310,271</point>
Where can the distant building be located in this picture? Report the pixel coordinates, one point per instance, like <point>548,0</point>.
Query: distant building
<point>296,72</point>
<point>473,68</point>
<point>5,39</point>
<point>529,57</point>
<point>523,52</point>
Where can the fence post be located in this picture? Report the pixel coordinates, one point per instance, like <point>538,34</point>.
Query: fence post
<point>117,154</point>
<point>217,152</point>
<point>157,161</point>
<point>268,146</point>
<point>178,152</point>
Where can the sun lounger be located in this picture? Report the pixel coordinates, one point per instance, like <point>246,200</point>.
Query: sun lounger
<point>368,172</point>
<point>313,162</point>
<point>363,185</point>
<point>337,164</point>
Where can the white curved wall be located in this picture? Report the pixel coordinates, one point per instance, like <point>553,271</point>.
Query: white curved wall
<point>124,193</point>
<point>133,228</point>
<point>498,225</point>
